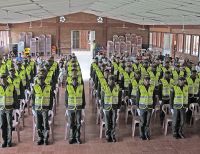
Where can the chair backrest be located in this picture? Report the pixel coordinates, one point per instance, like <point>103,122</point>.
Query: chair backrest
<point>27,94</point>
<point>50,115</point>
<point>22,104</point>
<point>16,115</point>
<point>195,108</point>
<point>134,107</point>
<point>166,109</point>
<point>118,113</point>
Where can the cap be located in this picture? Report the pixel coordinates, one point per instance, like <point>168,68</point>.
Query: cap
<point>111,77</point>
<point>11,69</point>
<point>167,72</point>
<point>42,69</point>
<point>137,72</point>
<point>194,70</point>
<point>3,75</point>
<point>181,78</point>
<point>147,77</point>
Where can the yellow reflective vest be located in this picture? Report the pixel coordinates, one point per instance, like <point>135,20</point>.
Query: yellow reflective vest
<point>6,97</point>
<point>180,97</point>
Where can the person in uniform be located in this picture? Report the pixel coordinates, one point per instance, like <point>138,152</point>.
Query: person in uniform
<point>42,102</point>
<point>110,102</point>
<point>8,99</point>
<point>146,101</point>
<point>75,102</point>
<point>179,105</point>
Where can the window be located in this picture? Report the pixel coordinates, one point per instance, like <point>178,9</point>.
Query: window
<point>187,44</point>
<point>4,38</point>
<point>158,39</point>
<point>195,47</point>
<point>180,43</point>
<point>154,39</point>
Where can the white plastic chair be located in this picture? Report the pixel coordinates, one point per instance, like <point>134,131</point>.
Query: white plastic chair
<point>168,117</point>
<point>102,123</point>
<point>195,108</point>
<point>82,124</point>
<point>16,122</point>
<point>127,109</point>
<point>28,99</point>
<point>51,124</point>
<point>135,120</point>
<point>22,110</point>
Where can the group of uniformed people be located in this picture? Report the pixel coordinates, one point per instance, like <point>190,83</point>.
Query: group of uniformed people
<point>118,83</point>
<point>123,82</point>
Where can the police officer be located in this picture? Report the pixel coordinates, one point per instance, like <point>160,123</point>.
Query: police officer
<point>111,101</point>
<point>193,83</point>
<point>3,67</point>
<point>7,104</point>
<point>164,87</point>
<point>42,103</point>
<point>145,100</point>
<point>75,102</point>
<point>179,105</point>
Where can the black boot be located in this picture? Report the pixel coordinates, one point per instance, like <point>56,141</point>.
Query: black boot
<point>40,142</point>
<point>4,144</point>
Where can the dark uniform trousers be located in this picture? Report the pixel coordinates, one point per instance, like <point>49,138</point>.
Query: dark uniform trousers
<point>178,121</point>
<point>162,114</point>
<point>6,125</point>
<point>110,122</point>
<point>42,124</point>
<point>74,118</point>
<point>145,119</point>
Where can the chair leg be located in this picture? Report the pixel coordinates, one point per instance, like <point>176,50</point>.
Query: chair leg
<point>66,131</point>
<point>98,116</point>
<point>52,133</point>
<point>126,115</point>
<point>166,126</point>
<point>191,121</point>
<point>133,129</point>
<point>18,133</point>
<point>101,130</point>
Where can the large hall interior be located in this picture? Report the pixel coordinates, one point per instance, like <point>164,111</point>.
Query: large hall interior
<point>99,76</point>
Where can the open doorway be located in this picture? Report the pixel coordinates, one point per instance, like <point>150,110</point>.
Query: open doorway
<point>82,40</point>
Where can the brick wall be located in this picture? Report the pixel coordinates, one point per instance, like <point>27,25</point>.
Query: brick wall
<point>61,32</point>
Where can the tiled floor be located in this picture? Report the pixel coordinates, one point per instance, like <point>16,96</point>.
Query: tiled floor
<point>93,145</point>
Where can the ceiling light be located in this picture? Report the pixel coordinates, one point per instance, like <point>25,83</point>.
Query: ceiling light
<point>62,19</point>
<point>99,19</point>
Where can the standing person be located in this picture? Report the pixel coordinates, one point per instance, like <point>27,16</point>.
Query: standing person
<point>110,101</point>
<point>145,100</point>
<point>179,105</point>
<point>75,102</point>
<point>7,104</point>
<point>193,83</point>
<point>42,102</point>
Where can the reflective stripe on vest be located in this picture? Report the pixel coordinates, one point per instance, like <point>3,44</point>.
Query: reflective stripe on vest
<point>75,97</point>
<point>6,96</point>
<point>146,97</point>
<point>180,97</point>
<point>135,86</point>
<point>42,98</point>
<point>193,87</point>
<point>154,78</point>
<point>111,97</point>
